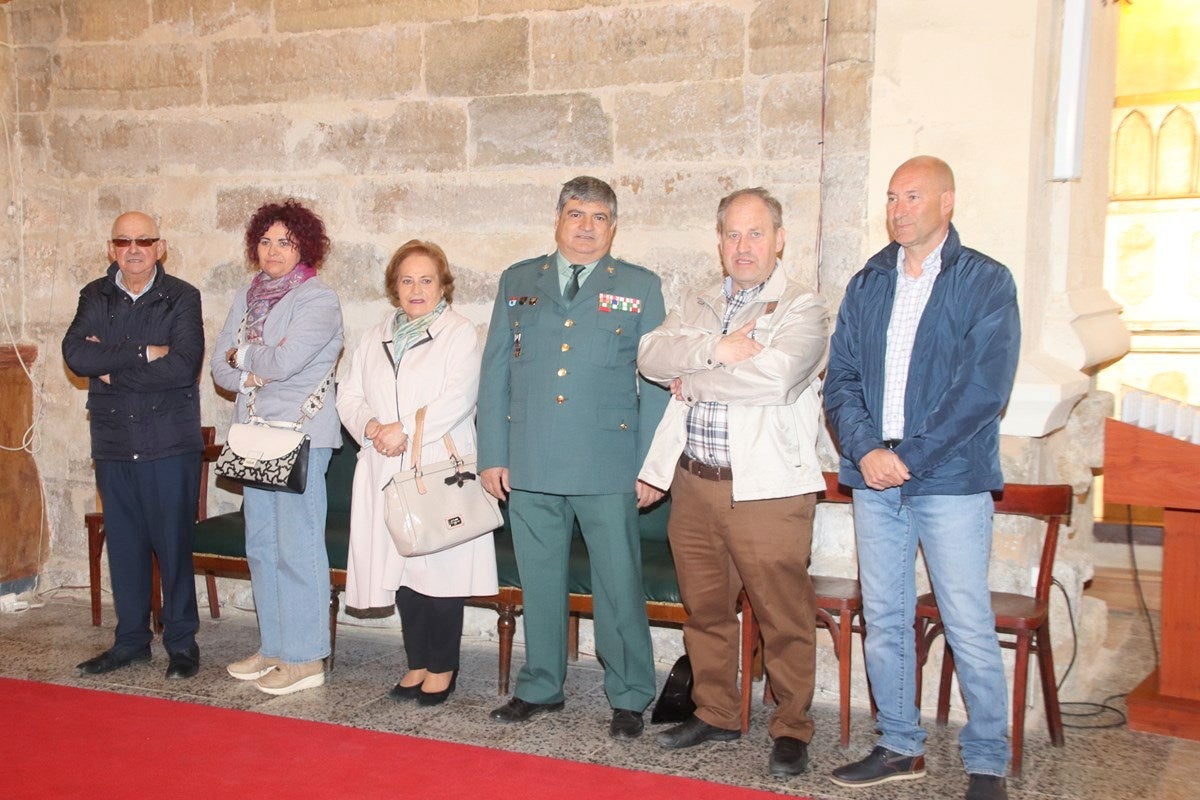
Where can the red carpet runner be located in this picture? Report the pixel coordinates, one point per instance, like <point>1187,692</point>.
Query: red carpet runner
<point>63,742</point>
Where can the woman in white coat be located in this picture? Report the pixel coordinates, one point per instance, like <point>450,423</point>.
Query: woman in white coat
<point>424,354</point>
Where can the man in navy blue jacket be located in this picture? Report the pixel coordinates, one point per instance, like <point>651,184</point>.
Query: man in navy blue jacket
<point>920,367</point>
<point>138,336</point>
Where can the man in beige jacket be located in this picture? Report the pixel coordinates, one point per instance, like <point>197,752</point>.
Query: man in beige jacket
<point>737,449</point>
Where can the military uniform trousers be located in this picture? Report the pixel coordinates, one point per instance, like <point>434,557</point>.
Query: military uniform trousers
<point>150,509</point>
<point>541,528</point>
<point>719,545</point>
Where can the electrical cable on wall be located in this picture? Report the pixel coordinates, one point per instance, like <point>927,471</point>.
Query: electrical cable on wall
<point>31,439</point>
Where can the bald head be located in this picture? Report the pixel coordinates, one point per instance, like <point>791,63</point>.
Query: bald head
<point>938,172</point>
<point>920,202</point>
<point>134,220</point>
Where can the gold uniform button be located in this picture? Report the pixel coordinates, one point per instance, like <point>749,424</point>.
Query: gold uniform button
<point>565,347</point>
<point>618,331</point>
<point>562,372</point>
<point>560,399</point>
<point>568,323</point>
<point>624,427</point>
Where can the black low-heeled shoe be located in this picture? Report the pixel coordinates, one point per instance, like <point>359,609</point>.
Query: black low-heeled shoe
<point>437,698</point>
<point>401,693</point>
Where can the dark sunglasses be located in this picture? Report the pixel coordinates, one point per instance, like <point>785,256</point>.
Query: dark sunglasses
<point>123,242</point>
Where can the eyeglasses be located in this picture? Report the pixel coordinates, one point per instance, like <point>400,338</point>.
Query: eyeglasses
<point>123,242</point>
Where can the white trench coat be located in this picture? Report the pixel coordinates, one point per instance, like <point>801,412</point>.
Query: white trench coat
<point>441,372</point>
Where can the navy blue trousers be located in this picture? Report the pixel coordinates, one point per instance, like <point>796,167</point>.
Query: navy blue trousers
<point>150,508</point>
<point>432,629</point>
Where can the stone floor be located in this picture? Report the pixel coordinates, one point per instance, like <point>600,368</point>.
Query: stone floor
<point>45,642</point>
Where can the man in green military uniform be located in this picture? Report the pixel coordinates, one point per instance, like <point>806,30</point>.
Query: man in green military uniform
<point>564,424</point>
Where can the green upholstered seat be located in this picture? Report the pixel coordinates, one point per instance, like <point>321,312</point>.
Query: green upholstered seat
<point>658,568</point>
<point>225,534</point>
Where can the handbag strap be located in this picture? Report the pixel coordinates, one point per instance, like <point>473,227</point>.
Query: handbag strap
<point>308,409</point>
<point>419,434</point>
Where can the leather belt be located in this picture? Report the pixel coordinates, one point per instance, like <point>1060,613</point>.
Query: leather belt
<point>891,444</point>
<point>705,471</point>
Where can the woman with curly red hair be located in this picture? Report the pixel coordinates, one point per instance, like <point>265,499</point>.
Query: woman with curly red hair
<point>278,348</point>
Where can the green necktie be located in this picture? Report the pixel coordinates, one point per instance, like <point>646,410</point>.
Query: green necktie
<point>573,284</point>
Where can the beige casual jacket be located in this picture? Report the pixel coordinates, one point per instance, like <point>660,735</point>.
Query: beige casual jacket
<point>773,398</point>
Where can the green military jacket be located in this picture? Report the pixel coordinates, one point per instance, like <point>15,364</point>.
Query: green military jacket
<point>560,402</point>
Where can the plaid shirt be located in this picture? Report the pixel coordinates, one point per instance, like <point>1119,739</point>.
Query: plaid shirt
<point>911,296</point>
<point>707,422</point>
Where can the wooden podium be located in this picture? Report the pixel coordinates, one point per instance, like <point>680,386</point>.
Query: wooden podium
<point>1145,468</point>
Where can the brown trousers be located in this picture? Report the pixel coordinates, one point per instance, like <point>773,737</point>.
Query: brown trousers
<point>718,547</point>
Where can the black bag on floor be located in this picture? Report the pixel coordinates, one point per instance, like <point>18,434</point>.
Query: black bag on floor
<point>675,703</point>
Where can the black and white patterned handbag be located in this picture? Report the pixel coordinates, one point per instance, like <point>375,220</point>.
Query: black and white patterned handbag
<point>271,455</point>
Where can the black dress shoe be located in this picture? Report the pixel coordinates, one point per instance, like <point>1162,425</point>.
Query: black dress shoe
<point>692,732</point>
<point>517,710</point>
<point>400,693</point>
<point>437,698</point>
<point>789,756</point>
<point>110,660</point>
<point>185,663</point>
<point>986,787</point>
<point>881,766</point>
<point>626,724</point>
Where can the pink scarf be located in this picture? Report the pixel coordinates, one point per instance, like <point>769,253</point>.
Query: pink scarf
<point>265,292</point>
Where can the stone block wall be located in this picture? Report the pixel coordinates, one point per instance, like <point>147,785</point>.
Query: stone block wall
<point>452,120</point>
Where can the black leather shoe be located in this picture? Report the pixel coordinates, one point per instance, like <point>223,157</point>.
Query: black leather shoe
<point>517,710</point>
<point>184,664</point>
<point>109,660</point>
<point>437,698</point>
<point>626,724</point>
<point>789,756</point>
<point>401,693</point>
<point>692,732</point>
<point>881,766</point>
<point>987,787</point>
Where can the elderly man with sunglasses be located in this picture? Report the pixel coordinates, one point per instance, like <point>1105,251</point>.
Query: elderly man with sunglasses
<point>138,337</point>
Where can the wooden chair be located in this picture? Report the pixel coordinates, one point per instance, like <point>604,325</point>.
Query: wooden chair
<point>839,604</point>
<point>1025,618</point>
<point>94,521</point>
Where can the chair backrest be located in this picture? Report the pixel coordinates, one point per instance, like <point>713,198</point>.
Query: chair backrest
<point>339,479</point>
<point>209,435</point>
<point>1048,502</point>
<point>833,491</point>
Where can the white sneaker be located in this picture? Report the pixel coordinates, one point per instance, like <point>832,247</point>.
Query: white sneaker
<point>252,668</point>
<point>288,678</point>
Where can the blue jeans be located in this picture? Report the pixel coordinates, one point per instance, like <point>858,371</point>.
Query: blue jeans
<point>955,533</point>
<point>289,567</point>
